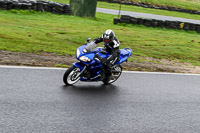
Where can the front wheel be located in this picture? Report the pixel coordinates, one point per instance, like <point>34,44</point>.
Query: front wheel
<point>72,75</point>
<point>116,73</point>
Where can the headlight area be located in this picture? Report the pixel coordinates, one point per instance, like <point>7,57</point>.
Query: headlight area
<point>84,58</point>
<point>78,53</point>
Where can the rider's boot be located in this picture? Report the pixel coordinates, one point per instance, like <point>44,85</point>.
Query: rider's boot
<point>103,74</point>
<point>106,74</point>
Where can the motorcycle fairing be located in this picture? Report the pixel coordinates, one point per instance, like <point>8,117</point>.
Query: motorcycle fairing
<point>94,66</point>
<point>124,55</point>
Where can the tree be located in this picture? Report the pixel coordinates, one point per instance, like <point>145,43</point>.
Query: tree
<point>83,8</point>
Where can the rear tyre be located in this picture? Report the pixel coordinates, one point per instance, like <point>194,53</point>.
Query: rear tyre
<point>116,73</point>
<point>71,75</point>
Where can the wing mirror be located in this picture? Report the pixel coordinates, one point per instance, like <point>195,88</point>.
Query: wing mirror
<point>88,40</point>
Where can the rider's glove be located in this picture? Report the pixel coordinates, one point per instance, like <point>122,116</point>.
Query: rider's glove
<point>103,60</point>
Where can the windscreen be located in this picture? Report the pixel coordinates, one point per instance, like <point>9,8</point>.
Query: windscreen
<point>90,46</point>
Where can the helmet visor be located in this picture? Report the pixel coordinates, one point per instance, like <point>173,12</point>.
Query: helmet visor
<point>106,40</point>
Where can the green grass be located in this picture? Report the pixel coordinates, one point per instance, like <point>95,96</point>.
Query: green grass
<point>61,1</point>
<point>63,66</point>
<point>146,10</point>
<point>37,32</point>
<point>185,4</point>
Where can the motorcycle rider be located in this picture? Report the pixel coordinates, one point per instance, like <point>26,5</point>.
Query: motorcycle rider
<point>111,45</point>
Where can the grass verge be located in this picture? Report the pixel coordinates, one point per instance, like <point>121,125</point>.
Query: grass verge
<point>37,32</point>
<point>148,10</point>
<point>185,4</point>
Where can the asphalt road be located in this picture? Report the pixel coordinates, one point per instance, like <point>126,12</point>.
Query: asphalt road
<point>147,15</point>
<point>36,100</point>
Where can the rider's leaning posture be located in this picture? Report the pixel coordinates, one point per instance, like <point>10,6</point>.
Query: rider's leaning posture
<point>111,45</point>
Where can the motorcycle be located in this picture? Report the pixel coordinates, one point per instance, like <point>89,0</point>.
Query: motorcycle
<point>89,68</point>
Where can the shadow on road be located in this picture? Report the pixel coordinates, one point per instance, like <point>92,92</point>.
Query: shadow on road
<point>92,89</point>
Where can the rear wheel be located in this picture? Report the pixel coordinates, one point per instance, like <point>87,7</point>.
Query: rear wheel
<point>116,73</point>
<point>71,76</point>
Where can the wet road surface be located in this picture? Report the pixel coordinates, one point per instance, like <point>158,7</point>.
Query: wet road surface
<point>36,100</point>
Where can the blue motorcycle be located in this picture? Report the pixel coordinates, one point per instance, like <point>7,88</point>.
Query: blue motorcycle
<point>90,69</point>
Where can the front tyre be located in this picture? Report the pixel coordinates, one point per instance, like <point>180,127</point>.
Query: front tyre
<point>116,73</point>
<point>72,75</point>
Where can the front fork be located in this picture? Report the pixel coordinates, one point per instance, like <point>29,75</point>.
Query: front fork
<point>79,74</point>
<point>81,66</point>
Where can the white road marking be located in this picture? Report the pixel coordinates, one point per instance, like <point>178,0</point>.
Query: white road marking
<point>161,73</point>
<point>30,67</point>
<point>134,72</point>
